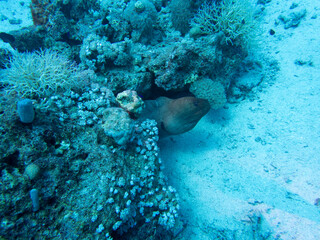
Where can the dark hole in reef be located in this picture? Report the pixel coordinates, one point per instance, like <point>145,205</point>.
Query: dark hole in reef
<point>116,236</point>
<point>7,38</point>
<point>49,138</point>
<point>60,209</point>
<point>72,42</point>
<point>65,8</point>
<point>12,159</point>
<point>83,155</point>
<point>105,21</point>
<point>156,92</point>
<point>86,228</point>
<point>51,200</point>
<point>19,216</point>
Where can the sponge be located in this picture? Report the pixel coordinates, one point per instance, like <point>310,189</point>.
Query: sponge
<point>25,111</point>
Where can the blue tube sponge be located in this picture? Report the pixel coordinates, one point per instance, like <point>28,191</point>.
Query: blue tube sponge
<point>25,111</point>
<point>34,195</point>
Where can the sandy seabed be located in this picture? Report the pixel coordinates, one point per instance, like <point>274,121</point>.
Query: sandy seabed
<point>253,168</point>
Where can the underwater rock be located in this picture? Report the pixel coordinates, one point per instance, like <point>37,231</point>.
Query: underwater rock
<point>176,116</point>
<point>211,90</point>
<point>131,102</point>
<point>25,39</point>
<point>32,171</point>
<point>121,80</point>
<point>263,2</point>
<point>117,125</point>
<point>293,19</point>
<point>177,63</point>
<point>142,16</point>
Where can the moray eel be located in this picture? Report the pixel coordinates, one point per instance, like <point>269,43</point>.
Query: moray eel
<point>175,116</point>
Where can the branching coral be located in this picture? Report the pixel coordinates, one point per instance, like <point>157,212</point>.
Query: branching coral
<point>40,74</point>
<point>235,18</point>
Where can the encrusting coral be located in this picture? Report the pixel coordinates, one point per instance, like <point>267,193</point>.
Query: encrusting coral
<point>117,125</point>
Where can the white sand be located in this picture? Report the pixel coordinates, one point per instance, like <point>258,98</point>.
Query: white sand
<point>261,157</point>
<point>14,11</point>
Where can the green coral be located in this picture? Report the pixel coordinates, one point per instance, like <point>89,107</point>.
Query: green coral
<point>235,18</point>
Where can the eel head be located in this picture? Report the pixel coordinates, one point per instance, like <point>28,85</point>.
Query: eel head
<point>182,114</point>
<point>176,116</point>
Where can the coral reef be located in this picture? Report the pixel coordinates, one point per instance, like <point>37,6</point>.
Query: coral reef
<point>89,186</point>
<point>133,45</point>
<point>87,166</point>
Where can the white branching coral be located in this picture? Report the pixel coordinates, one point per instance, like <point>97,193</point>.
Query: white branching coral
<point>40,74</point>
<point>235,18</point>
